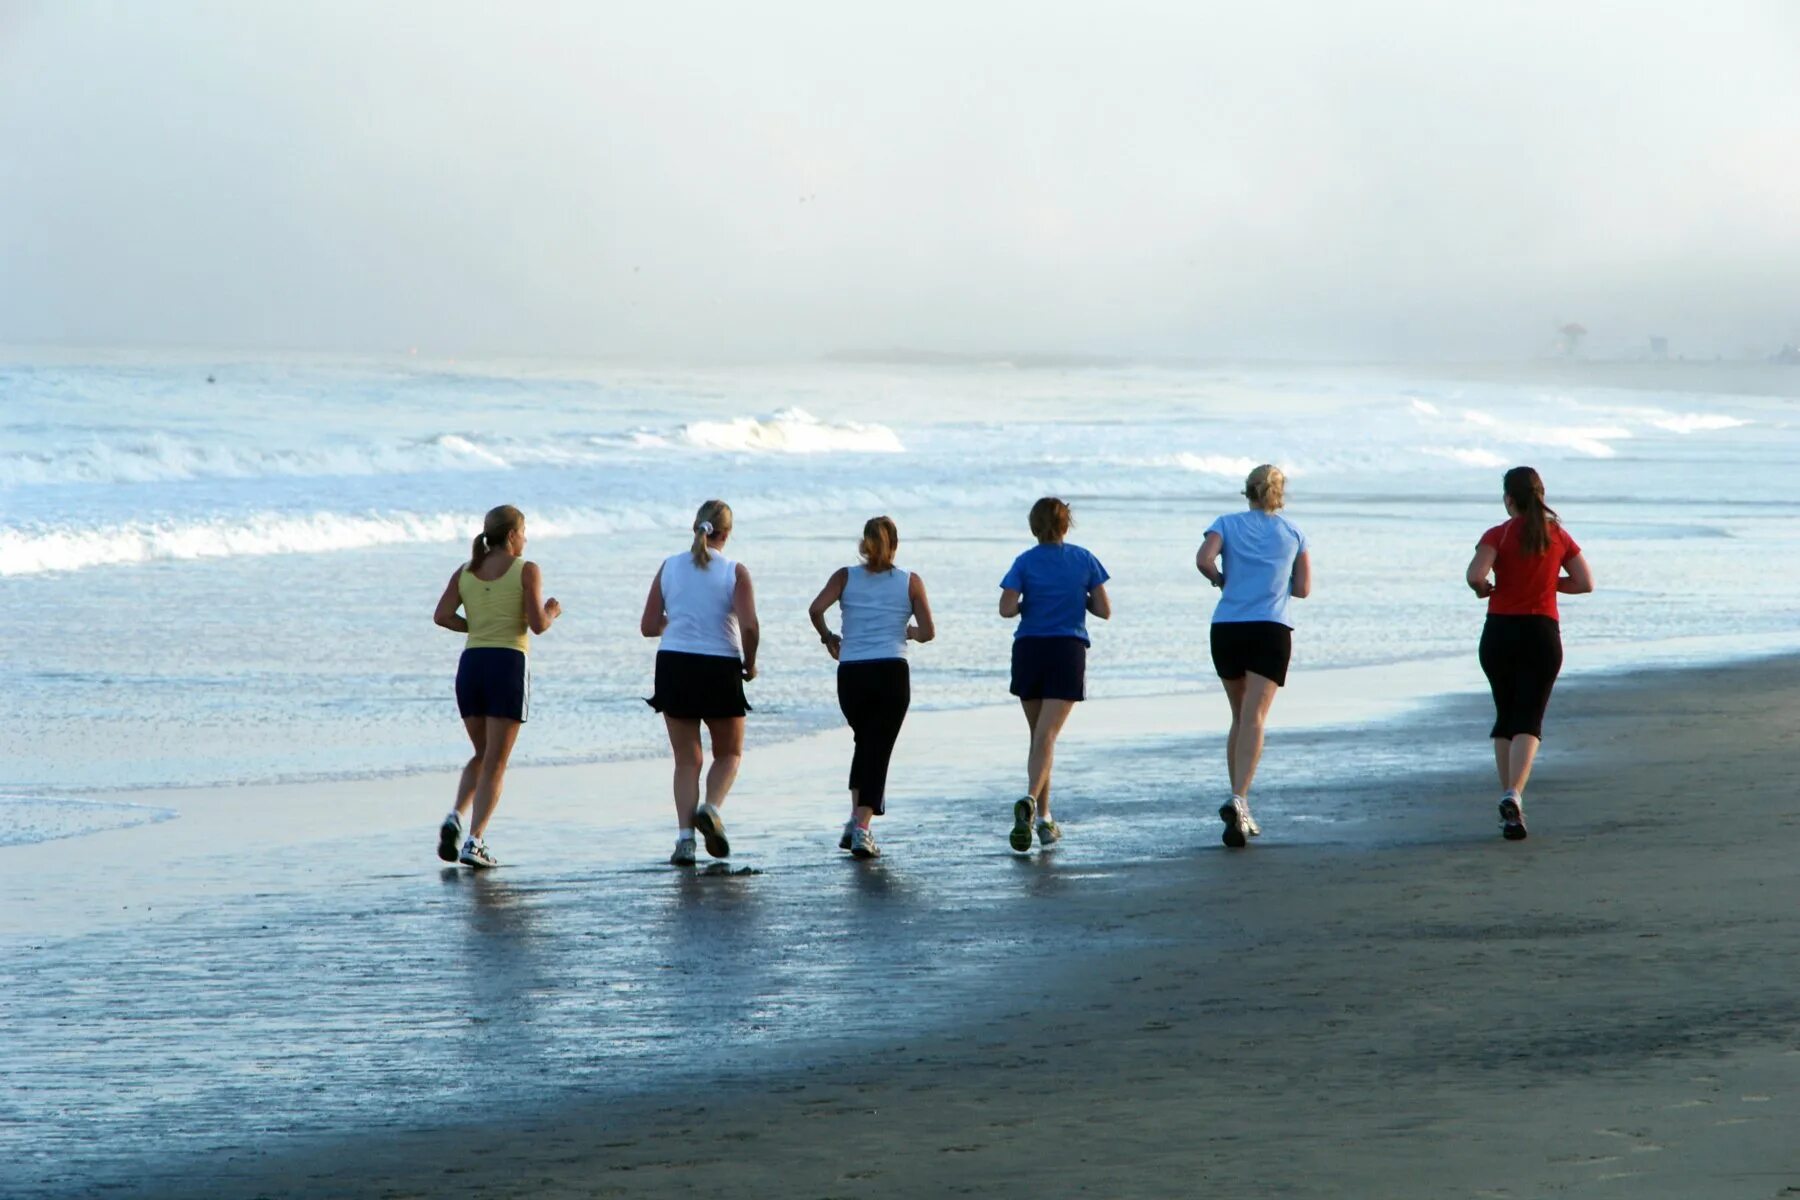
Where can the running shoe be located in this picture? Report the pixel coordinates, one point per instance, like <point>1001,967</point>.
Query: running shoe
<point>1250,825</point>
<point>1512,819</point>
<point>450,836</point>
<point>475,853</point>
<point>862,844</point>
<point>684,852</point>
<point>1048,833</point>
<point>1024,809</point>
<point>848,841</point>
<point>1236,815</point>
<point>711,826</point>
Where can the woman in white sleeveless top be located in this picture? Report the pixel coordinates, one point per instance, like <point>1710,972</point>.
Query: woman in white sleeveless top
<point>702,607</point>
<point>884,608</point>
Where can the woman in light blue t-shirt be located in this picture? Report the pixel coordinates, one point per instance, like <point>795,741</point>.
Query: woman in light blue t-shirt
<point>1266,564</point>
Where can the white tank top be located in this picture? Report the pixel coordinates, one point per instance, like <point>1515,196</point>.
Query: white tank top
<point>698,602</point>
<point>877,606</point>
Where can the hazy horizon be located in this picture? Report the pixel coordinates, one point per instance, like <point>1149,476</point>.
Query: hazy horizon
<point>1162,182</point>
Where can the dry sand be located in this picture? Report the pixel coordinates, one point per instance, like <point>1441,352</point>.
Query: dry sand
<point>1610,1008</point>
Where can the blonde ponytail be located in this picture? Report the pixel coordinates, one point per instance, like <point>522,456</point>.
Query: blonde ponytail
<point>1264,487</point>
<point>496,528</point>
<point>880,542</point>
<point>713,520</point>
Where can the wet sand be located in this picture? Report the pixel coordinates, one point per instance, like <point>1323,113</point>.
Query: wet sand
<point>1406,1006</point>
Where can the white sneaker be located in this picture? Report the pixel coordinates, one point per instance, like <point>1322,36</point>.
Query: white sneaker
<point>1024,809</point>
<point>475,853</point>
<point>1250,825</point>
<point>684,852</point>
<point>1048,832</point>
<point>711,826</point>
<point>862,844</point>
<point>848,841</point>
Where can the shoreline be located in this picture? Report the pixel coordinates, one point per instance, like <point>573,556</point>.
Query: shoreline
<point>1409,1007</point>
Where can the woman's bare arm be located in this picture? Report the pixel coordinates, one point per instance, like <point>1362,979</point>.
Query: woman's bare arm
<point>1009,602</point>
<point>654,620</point>
<point>1480,567</point>
<point>1099,603</point>
<point>540,613</point>
<point>446,614</point>
<point>1206,559</point>
<point>1300,583</point>
<point>743,603</point>
<point>1580,578</point>
<point>830,594</point>
<point>923,629</point>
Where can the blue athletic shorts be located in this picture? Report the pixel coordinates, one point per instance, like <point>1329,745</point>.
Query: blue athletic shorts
<point>493,681</point>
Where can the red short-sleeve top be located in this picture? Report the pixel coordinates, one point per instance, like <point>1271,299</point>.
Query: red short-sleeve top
<point>1525,584</point>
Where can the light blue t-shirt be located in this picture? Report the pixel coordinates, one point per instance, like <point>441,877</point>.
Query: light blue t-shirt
<point>1053,582</point>
<point>1258,561</point>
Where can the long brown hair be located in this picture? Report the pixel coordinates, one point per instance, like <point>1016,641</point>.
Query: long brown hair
<point>1526,491</point>
<point>880,542</point>
<point>499,525</point>
<point>713,519</point>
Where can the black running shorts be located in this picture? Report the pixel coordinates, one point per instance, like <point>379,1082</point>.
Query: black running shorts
<point>1260,646</point>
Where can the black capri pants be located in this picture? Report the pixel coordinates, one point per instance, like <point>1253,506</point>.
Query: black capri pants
<point>1520,655</point>
<point>874,695</point>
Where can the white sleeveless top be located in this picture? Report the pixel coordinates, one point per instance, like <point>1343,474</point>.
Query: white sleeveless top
<point>698,602</point>
<point>877,607</point>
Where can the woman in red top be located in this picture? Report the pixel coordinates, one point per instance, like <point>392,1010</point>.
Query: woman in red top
<point>1531,558</point>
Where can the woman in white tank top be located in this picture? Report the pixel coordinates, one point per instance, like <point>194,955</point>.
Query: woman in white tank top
<point>884,608</point>
<point>702,607</point>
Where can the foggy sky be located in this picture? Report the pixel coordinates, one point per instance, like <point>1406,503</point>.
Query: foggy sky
<point>1363,179</point>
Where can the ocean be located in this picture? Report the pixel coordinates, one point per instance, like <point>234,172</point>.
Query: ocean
<point>217,570</point>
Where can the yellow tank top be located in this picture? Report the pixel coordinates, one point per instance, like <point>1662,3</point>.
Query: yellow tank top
<point>496,609</point>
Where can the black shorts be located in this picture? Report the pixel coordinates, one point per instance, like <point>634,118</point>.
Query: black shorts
<point>1521,657</point>
<point>1260,646</point>
<point>693,687</point>
<point>493,681</point>
<point>1049,668</point>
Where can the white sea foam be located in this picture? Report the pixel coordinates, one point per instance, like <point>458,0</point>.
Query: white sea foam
<point>790,431</point>
<point>35,550</point>
<point>1469,456</point>
<point>1223,465</point>
<point>159,458</point>
<point>1697,422</point>
<point>26,819</point>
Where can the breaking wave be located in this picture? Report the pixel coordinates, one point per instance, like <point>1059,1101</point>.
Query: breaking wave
<point>34,551</point>
<point>790,431</point>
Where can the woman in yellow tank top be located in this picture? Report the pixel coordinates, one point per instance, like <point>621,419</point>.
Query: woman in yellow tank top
<point>501,597</point>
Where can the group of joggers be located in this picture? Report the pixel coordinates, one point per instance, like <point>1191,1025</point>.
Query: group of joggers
<point>702,607</point>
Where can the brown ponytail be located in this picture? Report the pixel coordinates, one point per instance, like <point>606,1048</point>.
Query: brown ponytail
<point>496,528</point>
<point>1265,487</point>
<point>1526,491</point>
<point>1050,519</point>
<point>713,520</point>
<point>880,542</point>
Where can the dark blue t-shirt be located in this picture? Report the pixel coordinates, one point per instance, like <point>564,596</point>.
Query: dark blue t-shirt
<point>1053,582</point>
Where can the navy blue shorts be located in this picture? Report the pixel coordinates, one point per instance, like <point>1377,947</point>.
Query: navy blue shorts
<point>492,681</point>
<point>1260,646</point>
<point>1049,668</point>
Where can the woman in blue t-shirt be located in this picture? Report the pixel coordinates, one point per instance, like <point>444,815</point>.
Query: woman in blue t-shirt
<point>1266,562</point>
<point>1051,588</point>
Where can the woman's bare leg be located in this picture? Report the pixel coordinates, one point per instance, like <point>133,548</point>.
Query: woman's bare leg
<point>1247,731</point>
<point>501,734</point>
<point>728,751</point>
<point>476,728</point>
<point>684,742</point>
<point>1051,715</point>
